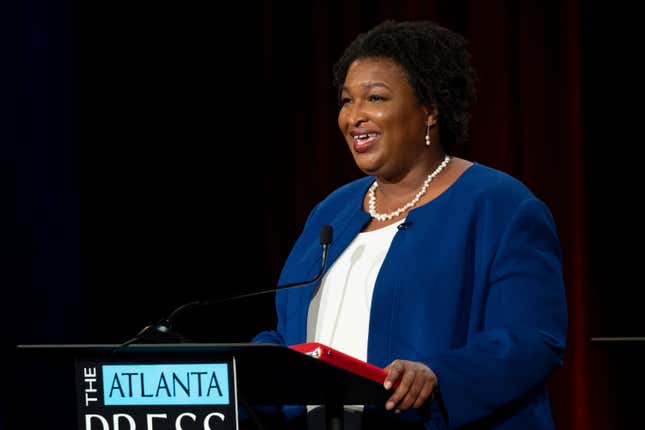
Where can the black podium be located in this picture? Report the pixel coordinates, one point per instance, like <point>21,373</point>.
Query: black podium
<point>198,385</point>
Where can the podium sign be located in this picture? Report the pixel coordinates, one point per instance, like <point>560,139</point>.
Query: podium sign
<point>127,395</point>
<point>191,386</point>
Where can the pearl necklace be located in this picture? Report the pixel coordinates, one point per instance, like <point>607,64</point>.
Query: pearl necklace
<point>371,193</point>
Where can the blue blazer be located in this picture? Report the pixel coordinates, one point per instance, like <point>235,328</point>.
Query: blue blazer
<point>472,288</point>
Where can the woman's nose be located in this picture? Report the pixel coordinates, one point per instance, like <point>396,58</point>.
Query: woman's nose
<point>356,115</point>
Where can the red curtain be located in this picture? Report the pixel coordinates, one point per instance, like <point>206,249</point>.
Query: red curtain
<point>528,122</point>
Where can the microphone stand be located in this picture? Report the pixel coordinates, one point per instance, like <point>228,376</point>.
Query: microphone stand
<point>162,332</point>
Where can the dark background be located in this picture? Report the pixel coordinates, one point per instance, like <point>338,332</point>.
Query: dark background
<point>151,155</point>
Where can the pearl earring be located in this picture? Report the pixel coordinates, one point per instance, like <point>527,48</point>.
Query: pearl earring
<point>428,135</point>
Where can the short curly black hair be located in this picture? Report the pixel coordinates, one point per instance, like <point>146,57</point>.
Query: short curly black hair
<point>436,61</point>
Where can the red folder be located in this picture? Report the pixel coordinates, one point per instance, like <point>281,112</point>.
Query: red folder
<point>342,360</point>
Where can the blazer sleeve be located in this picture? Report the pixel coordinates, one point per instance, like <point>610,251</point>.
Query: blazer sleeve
<point>524,326</point>
<point>277,336</point>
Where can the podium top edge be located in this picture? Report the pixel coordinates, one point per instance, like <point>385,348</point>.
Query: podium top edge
<point>137,345</point>
<point>636,344</point>
<point>618,339</point>
<point>150,347</point>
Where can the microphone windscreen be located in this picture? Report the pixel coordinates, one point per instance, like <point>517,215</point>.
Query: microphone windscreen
<point>326,234</point>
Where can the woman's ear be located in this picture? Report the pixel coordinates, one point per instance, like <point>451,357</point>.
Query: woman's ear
<point>433,116</point>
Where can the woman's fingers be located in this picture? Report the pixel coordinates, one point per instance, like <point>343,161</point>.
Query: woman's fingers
<point>395,369</point>
<point>416,382</point>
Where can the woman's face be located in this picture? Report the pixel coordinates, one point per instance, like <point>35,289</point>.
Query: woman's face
<point>382,119</point>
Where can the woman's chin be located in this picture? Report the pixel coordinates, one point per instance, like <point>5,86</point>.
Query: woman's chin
<point>367,168</point>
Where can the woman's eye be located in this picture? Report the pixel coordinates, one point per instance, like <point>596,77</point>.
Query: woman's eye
<point>376,98</point>
<point>343,101</point>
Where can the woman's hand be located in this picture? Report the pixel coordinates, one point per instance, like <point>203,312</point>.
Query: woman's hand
<point>413,382</point>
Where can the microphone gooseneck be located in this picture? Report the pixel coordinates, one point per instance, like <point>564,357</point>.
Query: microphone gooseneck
<point>163,328</point>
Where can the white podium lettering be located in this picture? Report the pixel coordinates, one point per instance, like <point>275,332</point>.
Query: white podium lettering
<point>207,420</point>
<point>88,422</point>
<point>150,417</point>
<point>130,420</point>
<point>180,417</point>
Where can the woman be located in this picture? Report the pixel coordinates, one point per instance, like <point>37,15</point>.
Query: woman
<point>443,271</point>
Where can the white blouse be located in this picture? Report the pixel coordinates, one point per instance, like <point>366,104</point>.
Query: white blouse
<point>339,313</point>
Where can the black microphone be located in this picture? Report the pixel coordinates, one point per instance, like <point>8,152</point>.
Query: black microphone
<point>162,331</point>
